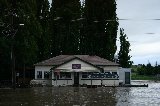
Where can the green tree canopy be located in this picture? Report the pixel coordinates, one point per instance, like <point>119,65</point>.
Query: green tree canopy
<point>123,55</point>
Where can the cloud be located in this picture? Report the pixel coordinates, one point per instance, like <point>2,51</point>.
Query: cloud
<point>142,27</point>
<point>146,49</point>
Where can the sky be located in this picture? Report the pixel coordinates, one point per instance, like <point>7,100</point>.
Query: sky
<point>141,23</point>
<point>142,26</point>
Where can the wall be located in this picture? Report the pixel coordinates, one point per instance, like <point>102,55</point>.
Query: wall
<point>42,81</point>
<point>113,68</point>
<point>84,66</point>
<point>63,82</point>
<point>99,82</point>
<point>107,82</point>
<point>122,74</point>
<point>68,68</point>
<point>42,68</point>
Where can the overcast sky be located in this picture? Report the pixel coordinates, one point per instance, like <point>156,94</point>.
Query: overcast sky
<point>142,26</point>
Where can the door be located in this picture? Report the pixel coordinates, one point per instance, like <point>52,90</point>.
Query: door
<point>127,78</point>
<point>76,78</point>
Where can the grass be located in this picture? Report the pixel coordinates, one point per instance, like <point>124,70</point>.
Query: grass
<point>135,76</point>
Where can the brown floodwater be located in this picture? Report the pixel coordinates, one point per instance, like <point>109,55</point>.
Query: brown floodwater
<point>81,96</point>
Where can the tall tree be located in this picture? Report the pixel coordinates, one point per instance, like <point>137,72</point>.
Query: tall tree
<point>123,55</point>
<point>43,18</point>
<point>64,27</point>
<point>23,38</point>
<point>100,28</point>
<point>6,11</point>
<point>27,36</point>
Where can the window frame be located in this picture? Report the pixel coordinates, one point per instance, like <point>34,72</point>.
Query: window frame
<point>63,75</point>
<point>39,73</point>
<point>87,74</point>
<point>45,74</point>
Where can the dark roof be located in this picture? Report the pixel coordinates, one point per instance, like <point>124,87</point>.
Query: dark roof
<point>95,60</point>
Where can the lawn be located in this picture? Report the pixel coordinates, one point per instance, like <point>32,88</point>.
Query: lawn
<point>135,76</point>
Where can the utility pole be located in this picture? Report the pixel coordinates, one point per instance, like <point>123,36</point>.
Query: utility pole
<point>12,46</point>
<point>10,31</point>
<point>13,65</point>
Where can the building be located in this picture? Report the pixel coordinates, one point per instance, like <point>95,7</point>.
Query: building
<point>125,76</point>
<point>65,70</point>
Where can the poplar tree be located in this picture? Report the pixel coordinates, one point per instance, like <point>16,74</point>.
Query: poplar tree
<point>26,38</point>
<point>100,28</point>
<point>5,59</point>
<point>123,55</point>
<point>64,26</point>
<point>44,41</point>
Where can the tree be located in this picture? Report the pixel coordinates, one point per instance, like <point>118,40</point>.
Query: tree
<point>123,55</point>
<point>43,41</point>
<point>64,26</point>
<point>149,69</point>
<point>25,38</point>
<point>100,28</point>
<point>6,11</point>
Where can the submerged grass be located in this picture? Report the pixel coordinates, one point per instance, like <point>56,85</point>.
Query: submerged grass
<point>135,76</point>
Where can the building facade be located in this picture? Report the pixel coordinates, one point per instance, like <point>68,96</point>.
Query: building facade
<point>66,70</point>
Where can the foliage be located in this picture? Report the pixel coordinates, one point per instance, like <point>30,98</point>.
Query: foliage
<point>142,77</point>
<point>67,27</point>
<point>23,38</point>
<point>4,42</point>
<point>148,69</point>
<point>64,26</point>
<point>123,55</point>
<point>99,28</point>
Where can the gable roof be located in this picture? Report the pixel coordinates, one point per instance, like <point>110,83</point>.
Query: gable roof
<point>80,60</point>
<point>58,60</point>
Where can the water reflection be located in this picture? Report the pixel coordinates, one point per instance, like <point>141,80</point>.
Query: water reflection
<point>74,96</point>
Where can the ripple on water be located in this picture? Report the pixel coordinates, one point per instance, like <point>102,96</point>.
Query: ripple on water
<point>72,96</point>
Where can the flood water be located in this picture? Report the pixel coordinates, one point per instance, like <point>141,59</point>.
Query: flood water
<point>80,96</point>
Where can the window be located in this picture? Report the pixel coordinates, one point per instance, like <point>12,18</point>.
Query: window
<point>96,75</point>
<point>56,75</point>
<point>115,75</point>
<point>86,74</point>
<point>108,75</point>
<point>64,75</point>
<point>68,75</point>
<point>39,74</point>
<point>46,74</point>
<point>76,66</point>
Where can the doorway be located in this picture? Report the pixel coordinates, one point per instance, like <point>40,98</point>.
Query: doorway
<point>127,78</point>
<point>76,78</point>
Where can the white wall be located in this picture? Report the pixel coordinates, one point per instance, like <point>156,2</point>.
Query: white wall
<point>107,82</point>
<point>41,82</point>
<point>113,68</point>
<point>68,67</point>
<point>84,66</point>
<point>63,82</point>
<point>42,68</point>
<point>122,74</point>
<point>110,82</point>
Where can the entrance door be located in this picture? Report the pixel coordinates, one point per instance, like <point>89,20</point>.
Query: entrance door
<point>127,78</point>
<point>76,78</point>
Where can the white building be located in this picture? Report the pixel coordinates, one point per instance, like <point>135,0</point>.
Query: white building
<point>65,70</point>
<point>125,76</point>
